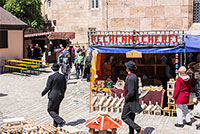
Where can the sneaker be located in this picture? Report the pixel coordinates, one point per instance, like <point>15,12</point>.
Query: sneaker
<point>179,125</point>
<point>189,123</point>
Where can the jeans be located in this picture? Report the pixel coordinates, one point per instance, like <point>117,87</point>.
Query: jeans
<point>180,110</point>
<point>78,69</point>
<point>197,109</point>
<point>66,77</point>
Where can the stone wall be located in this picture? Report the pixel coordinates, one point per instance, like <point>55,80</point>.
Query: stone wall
<point>77,15</point>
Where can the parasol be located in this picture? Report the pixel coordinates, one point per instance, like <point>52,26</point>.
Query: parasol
<point>102,121</point>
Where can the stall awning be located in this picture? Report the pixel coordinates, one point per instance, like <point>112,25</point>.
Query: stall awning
<point>192,43</point>
<point>36,34</point>
<point>143,50</point>
<point>61,36</point>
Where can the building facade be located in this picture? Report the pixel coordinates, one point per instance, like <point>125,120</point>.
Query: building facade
<point>11,37</point>
<point>79,16</point>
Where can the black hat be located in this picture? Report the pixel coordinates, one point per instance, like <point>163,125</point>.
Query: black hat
<point>55,66</point>
<point>131,65</point>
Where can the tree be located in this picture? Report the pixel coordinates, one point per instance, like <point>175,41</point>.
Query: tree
<point>2,2</point>
<point>29,11</point>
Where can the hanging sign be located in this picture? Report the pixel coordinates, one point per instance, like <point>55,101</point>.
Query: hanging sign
<point>133,54</point>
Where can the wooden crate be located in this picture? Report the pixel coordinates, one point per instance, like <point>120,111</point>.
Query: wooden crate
<point>48,129</point>
<point>70,130</point>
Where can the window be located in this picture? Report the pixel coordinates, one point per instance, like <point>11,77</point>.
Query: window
<point>196,11</point>
<point>95,4</point>
<point>49,3</point>
<point>3,39</point>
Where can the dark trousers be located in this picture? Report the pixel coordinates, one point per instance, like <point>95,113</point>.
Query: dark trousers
<point>128,117</point>
<point>53,110</point>
<point>78,69</point>
<point>87,72</point>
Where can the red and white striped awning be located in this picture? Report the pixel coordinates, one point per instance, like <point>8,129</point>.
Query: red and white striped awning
<point>36,34</point>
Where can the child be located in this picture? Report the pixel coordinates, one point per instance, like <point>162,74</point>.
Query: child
<point>65,69</point>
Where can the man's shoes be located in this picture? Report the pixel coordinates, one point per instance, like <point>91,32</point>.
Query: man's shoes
<point>141,131</point>
<point>189,123</point>
<point>198,126</point>
<point>179,125</point>
<point>62,124</point>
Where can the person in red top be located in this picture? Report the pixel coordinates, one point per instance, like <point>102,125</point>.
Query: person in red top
<point>181,96</point>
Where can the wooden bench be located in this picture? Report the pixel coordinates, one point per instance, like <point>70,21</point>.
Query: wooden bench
<point>49,129</point>
<point>16,67</point>
<point>70,130</point>
<point>33,67</point>
<point>33,60</point>
<point>39,62</point>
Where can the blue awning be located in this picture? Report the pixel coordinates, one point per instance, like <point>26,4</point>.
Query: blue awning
<point>143,50</point>
<point>192,43</point>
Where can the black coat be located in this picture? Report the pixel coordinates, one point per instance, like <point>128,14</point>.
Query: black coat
<point>197,87</point>
<point>88,61</point>
<point>56,86</point>
<point>131,93</point>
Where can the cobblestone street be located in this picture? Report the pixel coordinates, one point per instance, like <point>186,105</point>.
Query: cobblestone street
<point>20,96</point>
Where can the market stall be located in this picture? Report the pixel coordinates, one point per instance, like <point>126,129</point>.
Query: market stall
<point>151,59</point>
<point>49,42</point>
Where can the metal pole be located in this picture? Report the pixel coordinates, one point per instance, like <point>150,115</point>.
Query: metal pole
<point>181,59</point>
<point>90,96</point>
<point>185,58</point>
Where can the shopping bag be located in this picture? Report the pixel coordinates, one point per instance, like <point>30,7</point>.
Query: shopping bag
<point>73,70</point>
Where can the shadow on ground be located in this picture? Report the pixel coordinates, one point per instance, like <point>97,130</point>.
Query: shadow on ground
<point>72,82</point>
<point>148,130</point>
<point>75,123</point>
<point>2,94</point>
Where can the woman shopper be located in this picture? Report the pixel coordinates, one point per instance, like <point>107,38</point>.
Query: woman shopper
<point>79,62</point>
<point>181,97</point>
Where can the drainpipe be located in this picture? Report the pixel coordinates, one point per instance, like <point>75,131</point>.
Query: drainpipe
<point>107,15</point>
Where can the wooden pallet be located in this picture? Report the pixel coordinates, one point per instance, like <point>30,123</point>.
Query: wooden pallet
<point>70,130</point>
<point>48,129</point>
<point>15,125</point>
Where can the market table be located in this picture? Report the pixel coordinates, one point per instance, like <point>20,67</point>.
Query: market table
<point>23,62</point>
<point>19,63</point>
<point>33,60</point>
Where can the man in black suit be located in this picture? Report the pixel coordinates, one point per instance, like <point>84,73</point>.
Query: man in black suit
<point>131,105</point>
<point>56,87</point>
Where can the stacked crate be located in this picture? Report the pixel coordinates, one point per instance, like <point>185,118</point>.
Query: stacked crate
<point>170,90</point>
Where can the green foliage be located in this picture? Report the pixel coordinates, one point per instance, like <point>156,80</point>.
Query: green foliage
<point>2,2</point>
<point>29,11</point>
